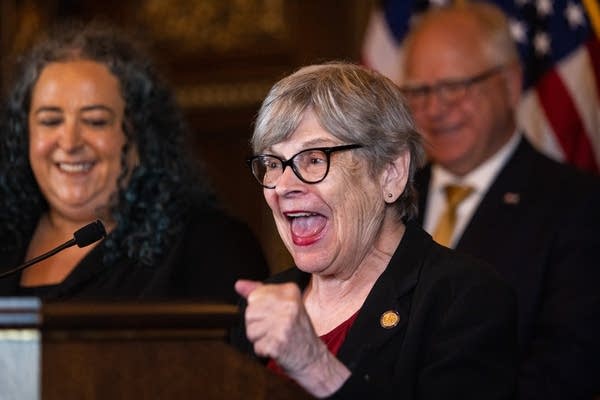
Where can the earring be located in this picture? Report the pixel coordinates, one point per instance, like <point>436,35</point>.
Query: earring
<point>390,195</point>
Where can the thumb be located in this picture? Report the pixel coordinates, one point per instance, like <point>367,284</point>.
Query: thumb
<point>244,287</point>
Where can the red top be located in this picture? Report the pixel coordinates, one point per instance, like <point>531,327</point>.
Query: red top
<point>332,339</point>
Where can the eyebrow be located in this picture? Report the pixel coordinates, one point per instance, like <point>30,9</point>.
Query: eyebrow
<point>419,86</point>
<point>488,73</point>
<point>318,142</point>
<point>92,107</point>
<point>97,107</point>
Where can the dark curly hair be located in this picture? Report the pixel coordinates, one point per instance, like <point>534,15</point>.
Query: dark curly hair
<point>152,199</point>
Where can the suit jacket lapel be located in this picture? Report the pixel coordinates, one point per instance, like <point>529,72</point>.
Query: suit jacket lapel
<point>388,294</point>
<point>501,206</point>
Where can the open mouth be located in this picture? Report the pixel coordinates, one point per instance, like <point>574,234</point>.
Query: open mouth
<point>77,167</point>
<point>306,227</point>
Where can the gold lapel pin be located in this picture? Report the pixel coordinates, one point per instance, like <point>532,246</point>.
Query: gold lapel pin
<point>512,198</point>
<point>389,319</point>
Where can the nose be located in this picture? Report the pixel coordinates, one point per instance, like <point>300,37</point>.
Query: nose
<point>288,182</point>
<point>70,138</point>
<point>433,106</point>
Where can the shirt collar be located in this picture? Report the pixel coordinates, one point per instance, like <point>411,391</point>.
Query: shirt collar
<point>481,177</point>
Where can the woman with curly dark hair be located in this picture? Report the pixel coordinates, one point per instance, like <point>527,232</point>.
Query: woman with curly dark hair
<point>89,131</point>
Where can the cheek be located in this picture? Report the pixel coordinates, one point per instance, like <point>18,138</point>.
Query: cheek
<point>479,125</point>
<point>270,198</point>
<point>482,110</point>
<point>40,148</point>
<point>111,143</point>
<point>420,119</point>
<point>362,205</point>
<point>359,205</point>
<point>40,144</point>
<point>109,147</point>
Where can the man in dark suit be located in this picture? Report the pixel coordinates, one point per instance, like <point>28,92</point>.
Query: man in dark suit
<point>489,193</point>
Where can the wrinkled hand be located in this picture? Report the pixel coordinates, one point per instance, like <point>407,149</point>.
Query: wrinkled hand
<point>278,325</point>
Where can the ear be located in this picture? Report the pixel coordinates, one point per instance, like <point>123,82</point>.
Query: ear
<point>133,157</point>
<point>513,74</point>
<point>394,176</point>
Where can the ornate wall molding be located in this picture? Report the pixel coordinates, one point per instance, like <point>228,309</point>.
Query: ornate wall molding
<point>215,25</point>
<point>223,95</point>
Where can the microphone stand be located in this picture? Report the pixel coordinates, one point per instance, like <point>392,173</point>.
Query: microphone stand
<point>85,236</point>
<point>39,258</point>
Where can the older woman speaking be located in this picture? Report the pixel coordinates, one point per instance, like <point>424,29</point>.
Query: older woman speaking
<point>374,307</point>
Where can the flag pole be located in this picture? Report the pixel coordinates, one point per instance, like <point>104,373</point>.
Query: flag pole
<point>593,11</point>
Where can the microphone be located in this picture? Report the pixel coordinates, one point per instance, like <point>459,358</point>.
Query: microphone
<point>84,236</point>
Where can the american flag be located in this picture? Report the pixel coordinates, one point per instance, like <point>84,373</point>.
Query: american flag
<point>559,44</point>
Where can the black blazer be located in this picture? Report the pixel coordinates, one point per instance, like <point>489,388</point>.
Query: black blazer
<point>203,264</point>
<point>456,338</point>
<point>539,226</point>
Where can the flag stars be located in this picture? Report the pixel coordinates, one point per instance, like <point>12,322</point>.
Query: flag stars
<point>438,3</point>
<point>518,31</point>
<point>541,43</point>
<point>544,7</point>
<point>574,15</point>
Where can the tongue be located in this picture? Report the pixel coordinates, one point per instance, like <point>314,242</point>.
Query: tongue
<point>308,226</point>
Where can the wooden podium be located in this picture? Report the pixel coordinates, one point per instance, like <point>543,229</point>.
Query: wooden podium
<point>127,351</point>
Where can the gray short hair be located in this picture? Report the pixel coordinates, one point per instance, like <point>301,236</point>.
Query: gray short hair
<point>354,104</point>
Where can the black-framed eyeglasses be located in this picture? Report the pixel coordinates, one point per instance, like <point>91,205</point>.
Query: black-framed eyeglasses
<point>450,91</point>
<point>310,165</point>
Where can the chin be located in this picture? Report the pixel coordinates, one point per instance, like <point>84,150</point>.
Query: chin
<point>79,212</point>
<point>310,263</point>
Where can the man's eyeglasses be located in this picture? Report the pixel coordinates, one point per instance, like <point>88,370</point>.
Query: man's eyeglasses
<point>310,165</point>
<point>450,91</point>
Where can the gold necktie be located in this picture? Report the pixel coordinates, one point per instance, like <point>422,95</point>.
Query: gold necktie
<point>455,194</point>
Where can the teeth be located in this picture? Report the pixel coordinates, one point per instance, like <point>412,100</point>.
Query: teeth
<point>300,214</point>
<point>75,167</point>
